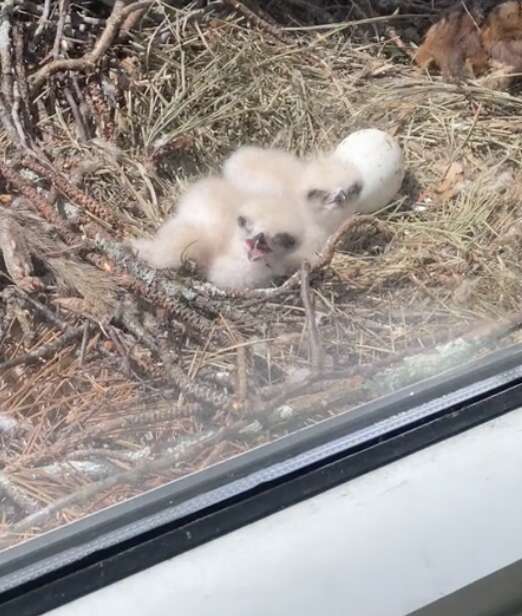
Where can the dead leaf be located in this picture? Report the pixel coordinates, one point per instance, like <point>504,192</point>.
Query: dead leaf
<point>453,181</point>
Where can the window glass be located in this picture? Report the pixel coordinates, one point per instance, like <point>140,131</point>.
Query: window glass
<point>117,377</point>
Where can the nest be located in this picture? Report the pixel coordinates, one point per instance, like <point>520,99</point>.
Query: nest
<point>115,379</point>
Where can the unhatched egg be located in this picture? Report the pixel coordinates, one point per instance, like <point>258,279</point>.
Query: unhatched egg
<point>378,157</point>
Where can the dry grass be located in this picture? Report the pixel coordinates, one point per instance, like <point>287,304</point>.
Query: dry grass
<point>447,257</point>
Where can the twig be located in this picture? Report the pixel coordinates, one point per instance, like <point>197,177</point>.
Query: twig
<point>17,313</point>
<point>61,183</point>
<point>44,351</point>
<point>21,76</point>
<point>328,251</point>
<point>6,86</point>
<point>44,19</point>
<point>17,257</point>
<point>167,412</point>
<point>379,378</point>
<point>48,314</point>
<point>142,416</point>
<point>62,12</point>
<point>128,316</point>
<point>85,339</point>
<point>38,202</point>
<point>490,332</point>
<point>200,391</point>
<point>242,378</point>
<point>80,124</point>
<point>120,347</point>
<point>110,454</point>
<point>77,249</point>
<point>249,14</point>
<point>149,285</point>
<point>279,394</point>
<point>310,404</point>
<point>100,110</point>
<point>94,470</point>
<point>17,496</point>
<point>5,52</point>
<point>15,114</point>
<point>7,123</point>
<point>186,451</point>
<point>87,116</point>
<point>316,351</point>
<point>131,22</point>
<point>119,14</point>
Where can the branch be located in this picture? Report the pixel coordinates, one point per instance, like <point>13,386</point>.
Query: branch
<point>5,52</point>
<point>88,62</point>
<point>63,10</point>
<point>22,87</point>
<point>62,184</point>
<point>6,84</point>
<point>200,391</point>
<point>44,351</point>
<point>261,23</point>
<point>316,351</point>
<point>149,284</point>
<point>184,452</point>
<point>15,494</point>
<point>44,19</point>
<point>17,257</point>
<point>39,203</point>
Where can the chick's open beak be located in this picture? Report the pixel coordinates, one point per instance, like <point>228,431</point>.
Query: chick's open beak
<point>257,247</point>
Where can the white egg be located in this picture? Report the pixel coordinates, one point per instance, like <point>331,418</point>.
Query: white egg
<point>378,157</point>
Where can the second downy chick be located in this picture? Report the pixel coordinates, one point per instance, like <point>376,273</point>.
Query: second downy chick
<point>263,170</point>
<point>330,189</point>
<point>325,189</point>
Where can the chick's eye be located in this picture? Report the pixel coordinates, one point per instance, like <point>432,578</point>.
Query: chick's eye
<point>315,194</point>
<point>285,240</point>
<point>242,221</point>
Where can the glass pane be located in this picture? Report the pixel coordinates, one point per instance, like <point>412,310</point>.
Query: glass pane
<point>115,377</point>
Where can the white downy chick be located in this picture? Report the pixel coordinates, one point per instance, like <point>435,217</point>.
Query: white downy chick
<point>327,186</point>
<point>238,240</point>
<point>196,230</point>
<point>265,243</point>
<point>263,170</point>
<point>331,189</point>
<point>362,175</point>
<point>324,187</point>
